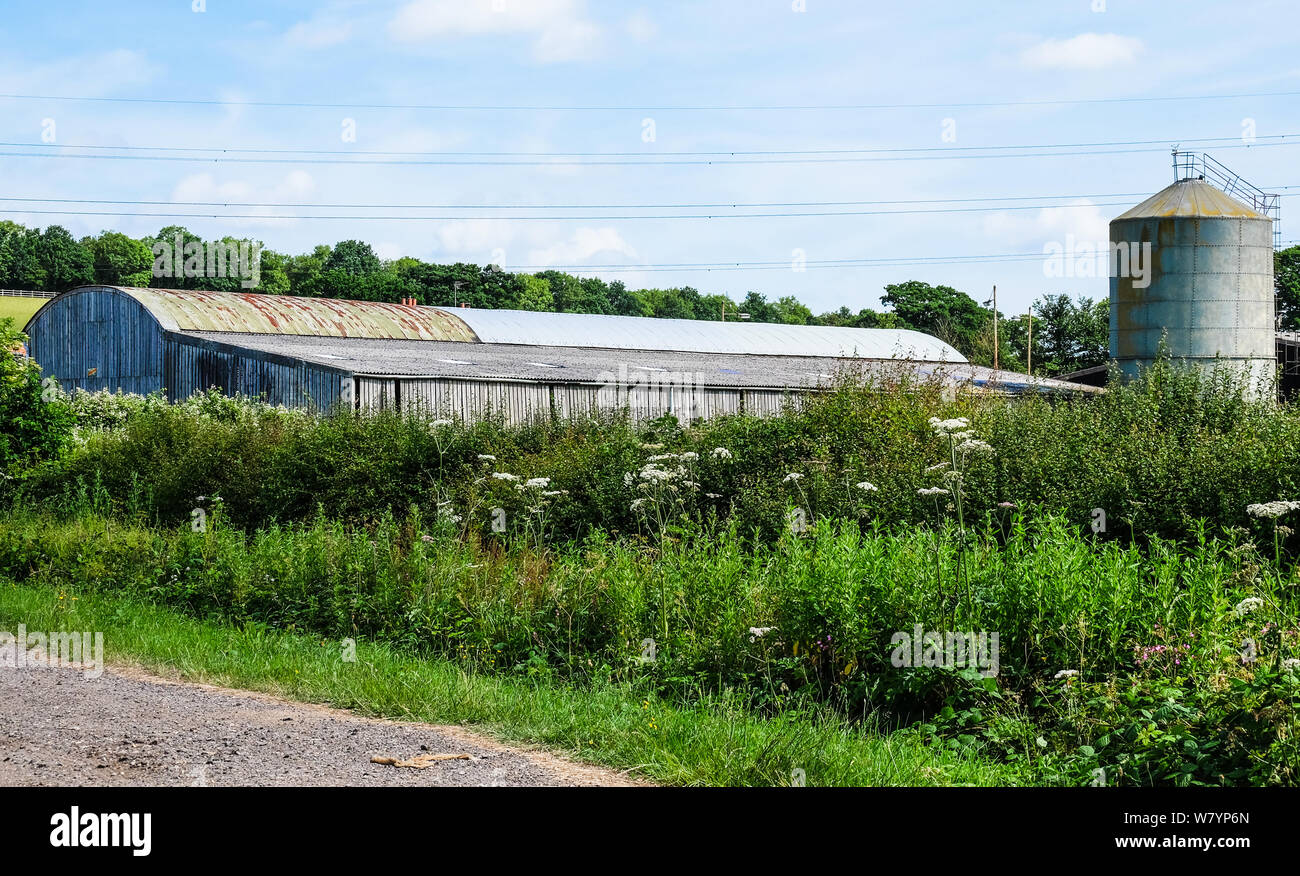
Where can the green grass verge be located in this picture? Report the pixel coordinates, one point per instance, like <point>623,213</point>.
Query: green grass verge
<point>715,743</point>
<point>21,309</point>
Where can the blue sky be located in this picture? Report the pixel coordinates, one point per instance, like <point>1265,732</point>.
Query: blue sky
<point>639,62</point>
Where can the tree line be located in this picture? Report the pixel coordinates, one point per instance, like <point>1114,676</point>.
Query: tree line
<point>1067,334</point>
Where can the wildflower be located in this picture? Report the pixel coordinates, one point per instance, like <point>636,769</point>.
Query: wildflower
<point>652,447</point>
<point>1006,504</point>
<point>486,457</point>
<point>538,483</point>
<point>436,423</point>
<point>505,476</point>
<point>720,453</point>
<point>1271,509</point>
<point>1248,605</point>
<point>791,477</point>
<point>553,493</point>
<point>937,467</point>
<point>974,445</point>
<point>713,495</point>
<point>759,632</point>
<point>1291,663</point>
<point>1066,673</point>
<point>637,503</point>
<point>662,457</point>
<point>932,491</point>
<point>867,487</point>
<point>944,428</point>
<point>690,455</point>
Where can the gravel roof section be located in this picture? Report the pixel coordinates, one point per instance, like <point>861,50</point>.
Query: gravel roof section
<point>401,358</point>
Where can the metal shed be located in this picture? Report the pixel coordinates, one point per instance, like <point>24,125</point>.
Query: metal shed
<point>314,353</point>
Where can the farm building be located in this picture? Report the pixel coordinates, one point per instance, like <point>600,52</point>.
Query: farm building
<point>318,353</point>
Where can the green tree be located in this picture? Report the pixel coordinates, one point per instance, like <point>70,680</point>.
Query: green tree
<point>120,260</point>
<point>1286,282</point>
<point>941,311</point>
<point>352,257</point>
<point>31,429</point>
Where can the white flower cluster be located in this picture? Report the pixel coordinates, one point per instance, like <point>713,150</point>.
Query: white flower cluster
<point>759,632</point>
<point>945,428</point>
<point>505,476</point>
<point>867,487</point>
<point>1272,509</point>
<point>1066,673</point>
<point>720,453</point>
<point>932,491</point>
<point>1249,605</point>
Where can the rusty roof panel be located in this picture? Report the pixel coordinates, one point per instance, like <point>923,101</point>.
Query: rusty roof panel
<point>189,310</point>
<point>1193,198</point>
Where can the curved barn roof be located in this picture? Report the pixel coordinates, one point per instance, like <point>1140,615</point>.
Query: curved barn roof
<point>188,310</point>
<point>700,336</point>
<point>1191,198</point>
<point>249,313</point>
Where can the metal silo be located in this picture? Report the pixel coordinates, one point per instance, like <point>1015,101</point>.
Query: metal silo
<point>1194,266</point>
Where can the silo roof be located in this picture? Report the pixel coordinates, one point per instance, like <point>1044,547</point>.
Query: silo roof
<point>190,310</point>
<point>700,336</point>
<point>1191,198</point>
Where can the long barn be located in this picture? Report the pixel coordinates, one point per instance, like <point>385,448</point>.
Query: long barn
<point>318,353</point>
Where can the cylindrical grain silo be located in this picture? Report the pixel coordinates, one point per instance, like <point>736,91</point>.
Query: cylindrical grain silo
<point>1194,266</point>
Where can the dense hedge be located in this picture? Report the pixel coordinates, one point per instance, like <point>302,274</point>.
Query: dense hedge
<point>1155,456</point>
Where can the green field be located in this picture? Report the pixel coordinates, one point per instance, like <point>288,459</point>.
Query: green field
<point>20,309</point>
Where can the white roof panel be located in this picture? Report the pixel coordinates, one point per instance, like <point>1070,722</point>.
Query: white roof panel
<point>700,336</point>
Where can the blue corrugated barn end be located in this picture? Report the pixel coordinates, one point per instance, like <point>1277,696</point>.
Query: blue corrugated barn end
<point>104,338</point>
<point>98,338</point>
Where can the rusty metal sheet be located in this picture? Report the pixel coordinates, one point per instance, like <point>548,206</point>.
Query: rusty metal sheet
<point>1191,197</point>
<point>188,310</point>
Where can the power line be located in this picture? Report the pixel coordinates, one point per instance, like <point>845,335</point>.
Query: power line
<point>645,107</point>
<point>640,154</point>
<point>701,206</point>
<point>624,206</point>
<point>646,161</point>
<point>559,217</point>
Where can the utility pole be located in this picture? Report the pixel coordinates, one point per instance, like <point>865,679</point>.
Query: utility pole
<point>995,327</point>
<point>1029,347</point>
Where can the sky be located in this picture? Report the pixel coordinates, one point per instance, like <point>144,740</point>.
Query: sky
<point>617,119</point>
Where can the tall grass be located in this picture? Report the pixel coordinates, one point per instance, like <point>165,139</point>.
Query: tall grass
<point>582,613</point>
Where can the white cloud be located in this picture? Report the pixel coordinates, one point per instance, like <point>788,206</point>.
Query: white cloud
<point>319,33</point>
<point>528,243</point>
<point>640,27</point>
<point>93,75</point>
<point>1081,219</point>
<point>560,28</point>
<point>297,186</point>
<point>1087,51</point>
<point>582,246</point>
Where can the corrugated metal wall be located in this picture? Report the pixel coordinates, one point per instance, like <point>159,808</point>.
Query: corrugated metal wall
<point>468,399</point>
<point>520,402</point>
<point>98,339</point>
<point>194,365</point>
<point>765,402</point>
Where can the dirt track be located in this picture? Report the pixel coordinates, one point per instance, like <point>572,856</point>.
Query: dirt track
<point>129,728</point>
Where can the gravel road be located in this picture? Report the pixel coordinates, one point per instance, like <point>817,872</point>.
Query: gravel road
<point>58,728</point>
